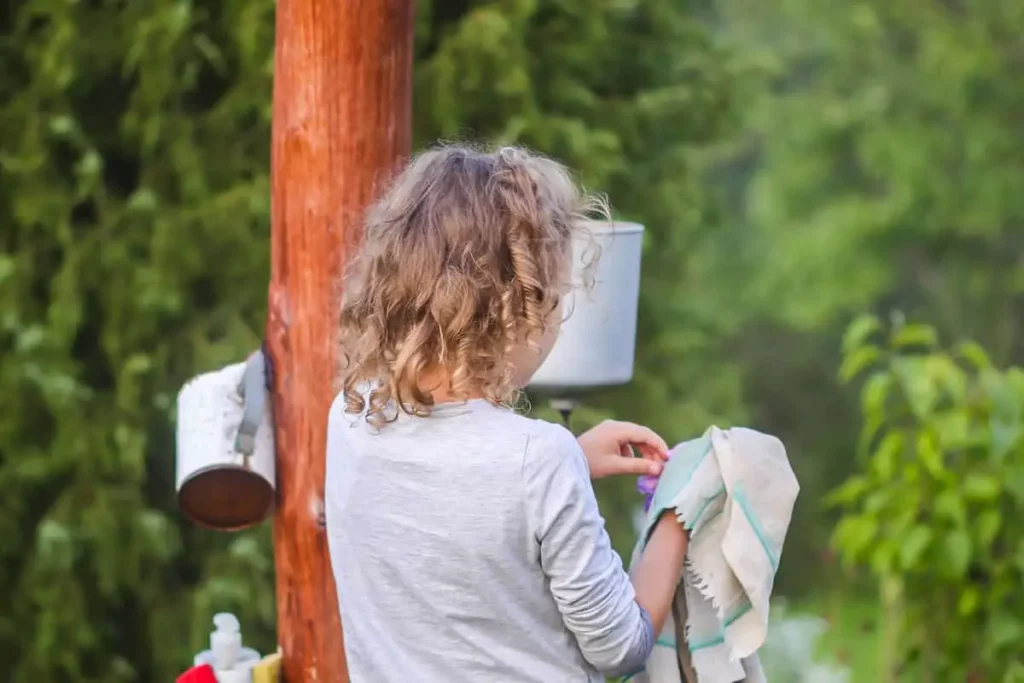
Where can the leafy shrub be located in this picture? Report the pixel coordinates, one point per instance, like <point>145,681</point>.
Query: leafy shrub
<point>935,511</point>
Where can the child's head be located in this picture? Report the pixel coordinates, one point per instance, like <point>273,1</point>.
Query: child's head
<point>456,292</point>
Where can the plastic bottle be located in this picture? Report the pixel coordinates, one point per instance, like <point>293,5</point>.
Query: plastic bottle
<point>231,662</point>
<point>238,675</point>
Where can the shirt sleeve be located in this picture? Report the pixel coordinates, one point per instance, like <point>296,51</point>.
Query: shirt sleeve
<point>587,579</point>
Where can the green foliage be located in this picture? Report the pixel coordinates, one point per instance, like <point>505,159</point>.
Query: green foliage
<point>886,135</point>
<point>133,200</point>
<point>874,168</point>
<point>935,510</point>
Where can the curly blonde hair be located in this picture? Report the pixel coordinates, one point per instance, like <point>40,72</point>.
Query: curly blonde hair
<point>463,260</point>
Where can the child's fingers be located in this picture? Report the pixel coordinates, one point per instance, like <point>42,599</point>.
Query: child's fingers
<point>644,439</point>
<point>648,454</point>
<point>652,453</point>
<point>637,466</point>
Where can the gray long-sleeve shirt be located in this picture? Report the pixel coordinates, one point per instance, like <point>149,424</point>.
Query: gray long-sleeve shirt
<point>467,546</point>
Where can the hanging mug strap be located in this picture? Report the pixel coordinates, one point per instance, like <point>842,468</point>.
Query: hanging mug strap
<point>253,389</point>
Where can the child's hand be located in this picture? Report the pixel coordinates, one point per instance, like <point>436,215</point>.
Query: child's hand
<point>611,448</point>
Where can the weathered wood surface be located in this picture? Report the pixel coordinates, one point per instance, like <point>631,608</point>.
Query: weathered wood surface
<point>341,123</point>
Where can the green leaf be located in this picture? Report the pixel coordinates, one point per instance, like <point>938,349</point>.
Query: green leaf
<point>915,335</point>
<point>956,553</point>
<point>858,361</point>
<point>929,455</point>
<point>987,527</point>
<point>848,493</point>
<point>876,501</point>
<point>854,535</point>
<point>970,599</point>
<point>872,425</point>
<point>1005,438</point>
<point>949,506</point>
<point>859,331</point>
<point>914,545</point>
<point>1006,402</point>
<point>886,456</point>
<point>918,384</point>
<point>952,429</point>
<point>948,376</point>
<point>883,557</point>
<point>981,487</point>
<point>874,394</point>
<point>974,354</point>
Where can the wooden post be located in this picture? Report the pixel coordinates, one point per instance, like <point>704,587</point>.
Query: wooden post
<point>341,122</point>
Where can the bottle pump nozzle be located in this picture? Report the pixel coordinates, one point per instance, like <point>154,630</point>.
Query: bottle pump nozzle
<point>225,641</point>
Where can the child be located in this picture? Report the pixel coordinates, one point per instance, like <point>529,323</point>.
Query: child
<point>465,539</point>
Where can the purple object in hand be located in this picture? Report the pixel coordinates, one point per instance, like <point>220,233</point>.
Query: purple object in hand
<point>646,485</point>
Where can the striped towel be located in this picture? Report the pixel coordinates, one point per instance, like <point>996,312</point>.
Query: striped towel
<point>734,490</point>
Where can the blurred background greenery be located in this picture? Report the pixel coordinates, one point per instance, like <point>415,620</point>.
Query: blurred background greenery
<point>799,165</point>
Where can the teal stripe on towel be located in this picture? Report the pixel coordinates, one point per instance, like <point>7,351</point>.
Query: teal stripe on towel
<point>720,638</point>
<point>704,644</point>
<point>691,525</point>
<point>738,613</point>
<point>740,496</point>
<point>693,470</point>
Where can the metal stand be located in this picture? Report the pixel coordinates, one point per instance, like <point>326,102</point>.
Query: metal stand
<point>564,406</point>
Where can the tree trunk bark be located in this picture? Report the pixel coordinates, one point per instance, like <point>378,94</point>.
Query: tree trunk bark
<point>341,124</point>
